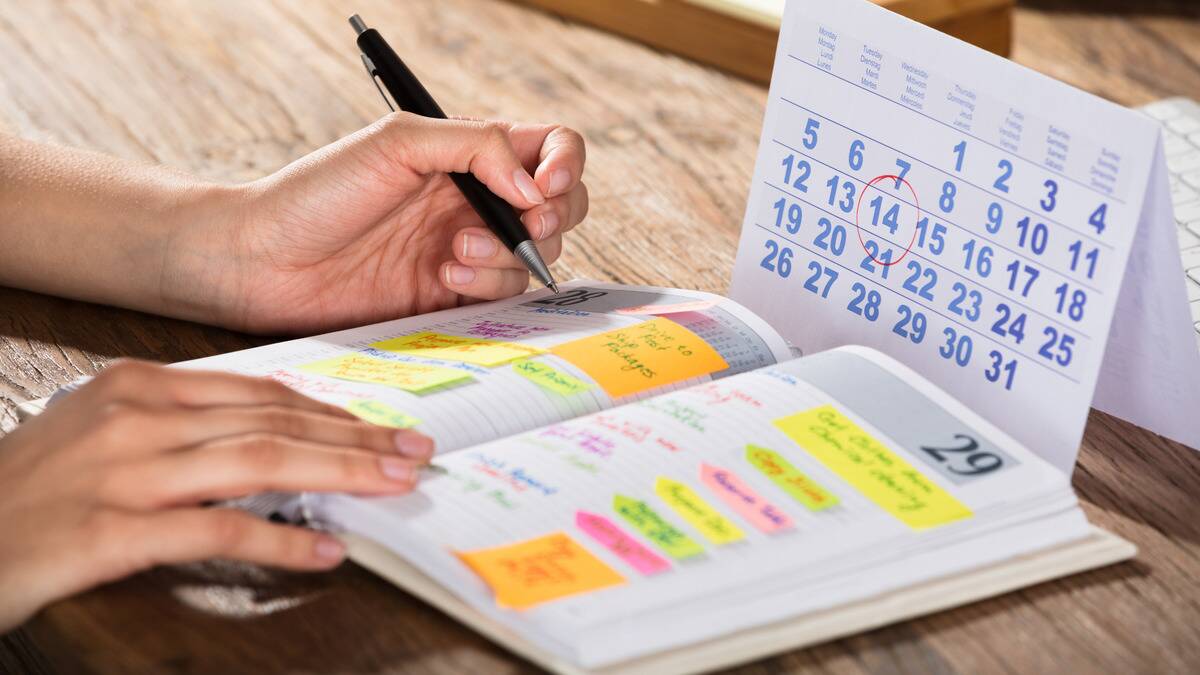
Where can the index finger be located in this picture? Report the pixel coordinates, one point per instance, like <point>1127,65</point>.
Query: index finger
<point>154,385</point>
<point>558,152</point>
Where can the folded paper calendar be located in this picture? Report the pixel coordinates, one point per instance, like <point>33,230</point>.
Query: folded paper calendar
<point>635,479</point>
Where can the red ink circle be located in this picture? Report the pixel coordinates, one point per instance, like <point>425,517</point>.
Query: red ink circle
<point>858,228</point>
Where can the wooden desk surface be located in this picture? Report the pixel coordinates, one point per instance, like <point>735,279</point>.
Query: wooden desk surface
<point>211,87</point>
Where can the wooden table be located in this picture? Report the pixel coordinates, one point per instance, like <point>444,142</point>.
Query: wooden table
<point>203,86</point>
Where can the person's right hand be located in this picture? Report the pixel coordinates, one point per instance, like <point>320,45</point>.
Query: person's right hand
<point>111,479</point>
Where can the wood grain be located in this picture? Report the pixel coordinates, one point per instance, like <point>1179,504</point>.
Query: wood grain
<point>213,88</point>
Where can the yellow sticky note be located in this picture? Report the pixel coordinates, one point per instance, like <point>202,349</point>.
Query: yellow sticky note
<point>378,412</point>
<point>477,351</point>
<point>538,570</point>
<point>414,377</point>
<point>642,356</point>
<point>548,378</point>
<point>691,507</point>
<point>871,468</point>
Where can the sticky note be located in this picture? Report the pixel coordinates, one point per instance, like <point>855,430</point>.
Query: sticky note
<point>790,479</point>
<point>539,570</point>
<point>668,538</point>
<point>642,356</point>
<point>414,377</point>
<point>874,470</point>
<point>691,507</point>
<point>548,378</point>
<point>378,412</point>
<point>690,306</point>
<point>475,350</point>
<point>743,499</point>
<point>606,533</point>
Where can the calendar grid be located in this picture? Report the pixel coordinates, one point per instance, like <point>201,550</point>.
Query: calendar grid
<point>1061,324</point>
<point>917,302</point>
<point>963,132</point>
<point>958,178</point>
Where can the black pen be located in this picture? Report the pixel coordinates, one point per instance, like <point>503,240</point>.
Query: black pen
<point>383,64</point>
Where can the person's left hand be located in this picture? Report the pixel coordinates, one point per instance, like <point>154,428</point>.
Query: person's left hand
<point>370,227</point>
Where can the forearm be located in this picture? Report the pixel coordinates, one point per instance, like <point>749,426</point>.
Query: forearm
<point>91,227</point>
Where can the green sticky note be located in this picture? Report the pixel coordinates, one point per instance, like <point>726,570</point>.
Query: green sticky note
<point>378,412</point>
<point>700,514</point>
<point>790,479</point>
<point>663,534</point>
<point>546,377</point>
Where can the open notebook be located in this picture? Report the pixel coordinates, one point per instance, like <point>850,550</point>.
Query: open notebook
<point>636,479</point>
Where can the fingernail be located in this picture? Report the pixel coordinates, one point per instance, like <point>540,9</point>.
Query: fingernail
<point>396,469</point>
<point>559,180</point>
<point>459,275</point>
<point>475,246</point>
<point>413,446</point>
<point>527,187</point>
<point>548,221</point>
<point>328,548</point>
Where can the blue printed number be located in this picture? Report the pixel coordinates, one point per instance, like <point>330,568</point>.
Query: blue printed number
<point>874,256</point>
<point>904,168</point>
<point>911,325</point>
<point>818,272</point>
<point>1014,272</point>
<point>1033,235</point>
<point>793,212</point>
<point>1006,169</point>
<point>1057,347</point>
<point>932,239</point>
<point>966,303</point>
<point>980,260</point>
<point>1051,199</point>
<point>995,217</point>
<point>921,281</point>
<point>802,170</point>
<point>810,133</point>
<point>831,238</point>
<point>960,153</point>
<point>1090,258</point>
<point>1071,301</point>
<point>1009,323</point>
<point>778,259</point>
<point>891,218</point>
<point>846,204</point>
<point>856,155</point>
<point>1096,220</point>
<point>957,347</point>
<point>864,303</point>
<point>946,201</point>
<point>1001,370</point>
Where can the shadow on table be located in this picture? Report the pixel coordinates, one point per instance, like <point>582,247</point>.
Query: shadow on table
<point>1182,8</point>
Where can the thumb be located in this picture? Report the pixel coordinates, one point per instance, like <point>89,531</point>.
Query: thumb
<point>425,145</point>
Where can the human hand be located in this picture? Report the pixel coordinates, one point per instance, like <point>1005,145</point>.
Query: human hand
<point>370,227</point>
<point>111,479</point>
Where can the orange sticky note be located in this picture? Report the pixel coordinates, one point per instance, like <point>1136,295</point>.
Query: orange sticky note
<point>642,356</point>
<point>539,570</point>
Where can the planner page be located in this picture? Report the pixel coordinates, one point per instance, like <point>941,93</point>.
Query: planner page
<point>484,371</point>
<point>957,211</point>
<point>721,506</point>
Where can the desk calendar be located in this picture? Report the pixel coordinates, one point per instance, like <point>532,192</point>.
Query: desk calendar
<point>963,214</point>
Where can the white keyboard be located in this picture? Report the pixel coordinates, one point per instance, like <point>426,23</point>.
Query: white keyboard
<point>1180,118</point>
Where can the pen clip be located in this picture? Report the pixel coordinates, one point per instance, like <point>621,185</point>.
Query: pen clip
<point>375,80</point>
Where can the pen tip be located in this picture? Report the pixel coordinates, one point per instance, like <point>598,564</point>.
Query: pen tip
<point>553,287</point>
<point>359,25</point>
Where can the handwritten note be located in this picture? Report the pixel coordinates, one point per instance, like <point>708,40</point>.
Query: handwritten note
<point>539,570</point>
<point>378,412</point>
<point>475,350</point>
<point>642,356</point>
<point>668,538</point>
<point>414,377</point>
<point>691,507</point>
<point>690,306</point>
<point>550,379</point>
<point>790,479</point>
<point>607,534</point>
<point>874,470</point>
<point>743,499</point>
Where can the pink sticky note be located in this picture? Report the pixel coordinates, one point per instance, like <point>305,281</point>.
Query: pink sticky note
<point>690,306</point>
<point>611,537</point>
<point>743,499</point>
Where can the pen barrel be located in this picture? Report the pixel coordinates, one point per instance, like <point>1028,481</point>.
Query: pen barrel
<point>411,96</point>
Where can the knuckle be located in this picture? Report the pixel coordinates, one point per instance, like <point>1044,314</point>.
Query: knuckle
<point>224,532</point>
<point>495,136</point>
<point>261,453</point>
